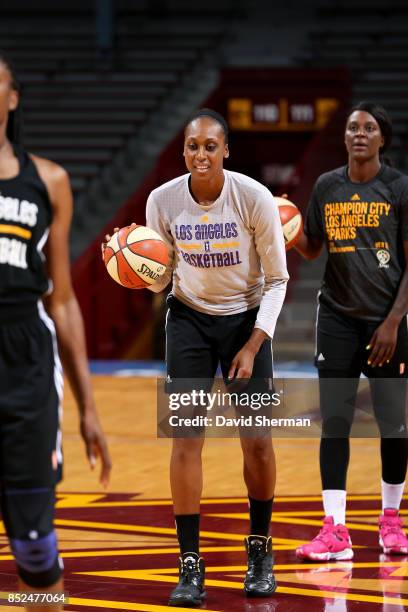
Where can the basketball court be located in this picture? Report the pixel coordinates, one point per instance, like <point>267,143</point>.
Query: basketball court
<point>107,88</point>
<point>120,548</point>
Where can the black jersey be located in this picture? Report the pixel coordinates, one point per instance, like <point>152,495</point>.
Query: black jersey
<point>25,217</point>
<point>364,226</point>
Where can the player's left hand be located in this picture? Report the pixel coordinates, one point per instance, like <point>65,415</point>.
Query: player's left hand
<point>95,443</point>
<point>105,242</point>
<point>109,236</point>
<point>382,344</point>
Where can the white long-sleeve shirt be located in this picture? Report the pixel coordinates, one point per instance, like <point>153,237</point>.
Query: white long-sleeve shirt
<point>227,257</point>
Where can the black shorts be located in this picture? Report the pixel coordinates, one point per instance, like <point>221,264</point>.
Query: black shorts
<point>30,400</point>
<point>197,342</point>
<point>341,345</point>
<point>341,357</point>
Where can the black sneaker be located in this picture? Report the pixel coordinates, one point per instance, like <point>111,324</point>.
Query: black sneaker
<point>259,579</point>
<point>190,589</point>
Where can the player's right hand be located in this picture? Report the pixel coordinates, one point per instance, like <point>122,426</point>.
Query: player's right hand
<point>383,343</point>
<point>95,443</point>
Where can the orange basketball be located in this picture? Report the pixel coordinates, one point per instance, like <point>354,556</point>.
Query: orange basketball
<point>291,220</point>
<point>136,257</point>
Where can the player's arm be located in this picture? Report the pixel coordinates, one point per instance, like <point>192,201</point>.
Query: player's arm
<point>311,240</point>
<point>155,221</point>
<point>384,340</point>
<point>270,246</point>
<point>309,247</point>
<point>63,308</point>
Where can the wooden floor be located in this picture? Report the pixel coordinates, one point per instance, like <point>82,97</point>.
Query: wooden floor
<point>127,407</point>
<point>120,548</point>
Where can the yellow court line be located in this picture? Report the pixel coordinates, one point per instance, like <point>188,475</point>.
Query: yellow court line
<point>293,520</point>
<point>80,500</point>
<point>124,605</point>
<point>317,593</point>
<point>155,577</point>
<point>311,568</point>
<point>115,526</point>
<point>311,522</point>
<point>147,551</point>
<point>143,529</point>
<point>401,572</point>
<point>80,554</point>
<point>356,526</point>
<point>321,513</point>
<point>379,599</point>
<point>203,502</point>
<point>140,574</point>
<point>16,231</point>
<point>288,541</point>
<point>156,551</point>
<point>318,498</point>
<point>297,514</point>
<point>66,503</point>
<point>212,500</point>
<point>128,504</point>
<point>276,500</point>
<point>340,565</point>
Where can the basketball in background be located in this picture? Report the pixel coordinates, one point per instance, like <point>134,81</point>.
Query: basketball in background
<point>135,256</point>
<point>291,220</point>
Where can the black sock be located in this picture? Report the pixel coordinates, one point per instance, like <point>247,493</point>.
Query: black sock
<point>260,512</point>
<point>188,532</point>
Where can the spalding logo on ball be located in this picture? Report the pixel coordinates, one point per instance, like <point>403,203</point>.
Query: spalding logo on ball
<point>136,256</point>
<point>291,220</point>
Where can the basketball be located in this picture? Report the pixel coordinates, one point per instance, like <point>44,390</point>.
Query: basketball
<point>135,256</point>
<point>291,220</point>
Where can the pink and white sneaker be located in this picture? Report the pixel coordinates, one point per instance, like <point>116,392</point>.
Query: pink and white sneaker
<point>332,543</point>
<point>392,537</point>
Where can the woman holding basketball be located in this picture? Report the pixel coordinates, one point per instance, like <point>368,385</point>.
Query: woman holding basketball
<point>35,214</point>
<point>229,274</point>
<point>360,212</point>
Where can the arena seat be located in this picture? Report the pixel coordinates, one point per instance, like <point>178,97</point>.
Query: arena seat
<point>71,89</point>
<point>371,39</point>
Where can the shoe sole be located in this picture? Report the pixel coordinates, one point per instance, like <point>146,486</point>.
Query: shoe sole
<point>393,550</point>
<point>260,594</point>
<point>343,555</point>
<point>179,602</point>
